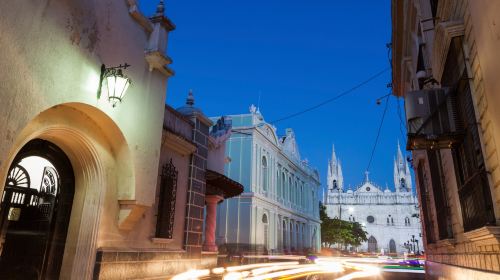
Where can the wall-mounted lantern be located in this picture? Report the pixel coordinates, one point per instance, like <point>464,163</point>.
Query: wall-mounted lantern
<point>115,82</point>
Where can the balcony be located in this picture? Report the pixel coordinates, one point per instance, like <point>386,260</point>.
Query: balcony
<point>432,119</point>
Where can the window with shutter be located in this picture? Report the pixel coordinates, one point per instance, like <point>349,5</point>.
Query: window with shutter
<point>473,186</point>
<point>440,202</point>
<point>424,199</point>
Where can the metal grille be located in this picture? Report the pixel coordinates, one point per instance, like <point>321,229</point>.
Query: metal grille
<point>473,186</point>
<point>440,198</point>
<point>475,199</point>
<point>424,197</point>
<point>166,205</point>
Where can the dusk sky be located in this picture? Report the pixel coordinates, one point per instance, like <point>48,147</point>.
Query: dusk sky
<point>295,54</point>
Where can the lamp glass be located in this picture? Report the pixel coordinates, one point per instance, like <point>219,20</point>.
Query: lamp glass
<point>117,85</point>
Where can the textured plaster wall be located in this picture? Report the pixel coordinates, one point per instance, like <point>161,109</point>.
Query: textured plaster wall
<point>51,55</point>
<point>52,52</point>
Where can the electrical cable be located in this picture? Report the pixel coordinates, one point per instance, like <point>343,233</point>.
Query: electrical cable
<point>338,96</point>
<point>378,133</point>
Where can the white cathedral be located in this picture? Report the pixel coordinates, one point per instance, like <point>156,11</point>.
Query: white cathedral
<point>391,218</point>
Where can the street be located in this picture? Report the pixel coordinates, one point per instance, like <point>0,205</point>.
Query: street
<point>297,267</point>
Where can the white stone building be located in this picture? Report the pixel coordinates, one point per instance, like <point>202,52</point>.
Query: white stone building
<point>390,217</point>
<point>279,208</point>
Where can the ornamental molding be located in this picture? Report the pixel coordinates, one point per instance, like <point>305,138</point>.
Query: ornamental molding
<point>136,14</point>
<point>488,235</point>
<point>178,144</point>
<point>159,61</point>
<point>130,213</point>
<point>445,31</point>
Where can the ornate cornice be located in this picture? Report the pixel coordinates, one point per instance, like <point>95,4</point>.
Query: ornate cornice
<point>136,14</point>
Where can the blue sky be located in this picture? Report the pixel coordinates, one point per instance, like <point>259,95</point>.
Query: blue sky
<point>295,54</point>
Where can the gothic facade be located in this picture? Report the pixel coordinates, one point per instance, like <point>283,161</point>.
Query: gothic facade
<point>389,217</point>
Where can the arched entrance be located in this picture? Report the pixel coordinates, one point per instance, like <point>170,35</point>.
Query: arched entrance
<point>392,246</point>
<point>35,211</point>
<point>285,241</point>
<point>266,231</point>
<point>372,244</point>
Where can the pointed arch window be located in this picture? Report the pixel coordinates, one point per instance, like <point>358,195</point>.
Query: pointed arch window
<point>407,221</point>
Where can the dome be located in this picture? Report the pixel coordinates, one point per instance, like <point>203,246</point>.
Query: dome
<point>189,109</point>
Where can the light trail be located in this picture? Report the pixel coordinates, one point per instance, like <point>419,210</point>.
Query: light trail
<point>288,270</point>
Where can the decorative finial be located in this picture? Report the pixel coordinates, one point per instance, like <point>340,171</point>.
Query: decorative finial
<point>252,109</point>
<point>160,9</point>
<point>366,176</point>
<point>190,98</point>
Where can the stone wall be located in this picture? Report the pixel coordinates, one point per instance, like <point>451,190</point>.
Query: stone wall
<point>147,264</point>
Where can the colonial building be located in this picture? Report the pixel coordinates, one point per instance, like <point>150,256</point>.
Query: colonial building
<point>279,208</point>
<point>389,217</point>
<point>445,64</point>
<point>97,184</point>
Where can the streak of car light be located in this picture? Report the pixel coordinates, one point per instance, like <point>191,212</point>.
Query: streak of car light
<point>312,269</point>
<point>252,266</point>
<point>192,274</point>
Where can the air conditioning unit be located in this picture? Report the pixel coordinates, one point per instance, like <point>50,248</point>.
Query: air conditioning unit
<point>432,118</point>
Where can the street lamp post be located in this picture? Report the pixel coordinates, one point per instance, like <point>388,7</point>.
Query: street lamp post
<point>414,243</point>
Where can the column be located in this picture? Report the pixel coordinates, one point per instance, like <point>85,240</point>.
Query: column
<point>210,223</point>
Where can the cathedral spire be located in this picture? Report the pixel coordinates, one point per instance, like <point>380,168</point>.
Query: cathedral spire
<point>335,178</point>
<point>334,156</point>
<point>402,175</point>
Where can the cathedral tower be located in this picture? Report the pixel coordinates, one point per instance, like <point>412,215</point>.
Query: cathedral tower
<point>335,178</point>
<point>402,176</point>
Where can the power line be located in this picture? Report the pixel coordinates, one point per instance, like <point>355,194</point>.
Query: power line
<point>344,93</point>
<point>378,133</point>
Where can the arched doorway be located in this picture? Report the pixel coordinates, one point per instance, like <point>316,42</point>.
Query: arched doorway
<point>285,241</point>
<point>35,211</point>
<point>372,244</point>
<point>266,231</point>
<point>392,246</point>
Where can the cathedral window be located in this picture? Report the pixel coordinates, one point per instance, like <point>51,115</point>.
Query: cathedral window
<point>370,219</point>
<point>403,185</point>
<point>335,187</point>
